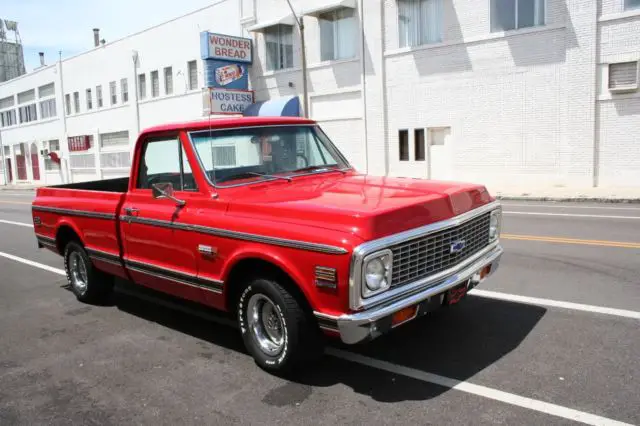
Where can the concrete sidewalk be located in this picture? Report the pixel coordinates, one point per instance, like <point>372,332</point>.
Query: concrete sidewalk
<point>19,188</point>
<point>599,194</point>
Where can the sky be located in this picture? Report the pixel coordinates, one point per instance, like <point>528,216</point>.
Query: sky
<point>51,26</point>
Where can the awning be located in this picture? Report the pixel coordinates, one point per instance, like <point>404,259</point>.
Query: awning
<point>284,20</point>
<point>281,107</point>
<point>319,6</point>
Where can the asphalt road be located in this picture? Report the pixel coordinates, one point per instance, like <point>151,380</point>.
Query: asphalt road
<point>553,338</point>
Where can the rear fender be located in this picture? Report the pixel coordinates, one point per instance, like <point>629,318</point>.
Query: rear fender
<point>66,222</point>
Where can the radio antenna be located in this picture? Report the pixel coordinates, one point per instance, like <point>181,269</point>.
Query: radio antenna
<point>213,157</point>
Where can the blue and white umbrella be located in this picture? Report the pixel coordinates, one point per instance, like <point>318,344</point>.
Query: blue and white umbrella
<point>280,107</point>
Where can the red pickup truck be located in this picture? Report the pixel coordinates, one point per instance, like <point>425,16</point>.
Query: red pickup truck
<point>265,218</point>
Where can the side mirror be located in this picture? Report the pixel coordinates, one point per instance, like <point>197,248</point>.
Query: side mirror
<point>165,190</point>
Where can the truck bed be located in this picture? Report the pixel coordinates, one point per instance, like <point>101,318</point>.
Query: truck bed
<point>106,185</point>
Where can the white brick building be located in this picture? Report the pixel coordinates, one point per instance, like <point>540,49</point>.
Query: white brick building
<point>525,93</point>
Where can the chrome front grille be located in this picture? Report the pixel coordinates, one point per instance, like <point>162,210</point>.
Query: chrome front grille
<point>427,255</point>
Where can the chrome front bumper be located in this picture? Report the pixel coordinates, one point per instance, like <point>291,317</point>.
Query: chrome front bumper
<point>375,321</point>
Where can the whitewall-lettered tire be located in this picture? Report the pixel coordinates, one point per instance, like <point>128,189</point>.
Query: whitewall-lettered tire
<point>277,331</point>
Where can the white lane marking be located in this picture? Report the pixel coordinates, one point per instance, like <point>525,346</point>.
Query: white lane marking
<point>571,207</point>
<point>10,222</point>
<point>600,216</point>
<point>32,263</point>
<point>483,391</point>
<point>555,303</point>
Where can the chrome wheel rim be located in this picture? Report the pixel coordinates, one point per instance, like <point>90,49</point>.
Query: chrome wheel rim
<point>78,272</point>
<point>266,324</point>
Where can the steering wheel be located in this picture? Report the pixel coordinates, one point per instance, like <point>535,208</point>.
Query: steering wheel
<point>161,178</point>
<point>304,159</point>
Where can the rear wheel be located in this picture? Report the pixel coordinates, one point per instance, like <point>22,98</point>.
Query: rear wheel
<point>277,331</point>
<point>88,283</point>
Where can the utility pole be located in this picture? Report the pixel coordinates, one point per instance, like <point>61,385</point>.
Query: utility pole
<point>4,163</point>
<point>300,24</point>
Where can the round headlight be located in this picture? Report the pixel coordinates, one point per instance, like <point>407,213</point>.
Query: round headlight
<point>375,274</point>
<point>494,225</point>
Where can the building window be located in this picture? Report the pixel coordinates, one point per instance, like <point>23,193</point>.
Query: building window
<point>193,74</point>
<point>49,164</point>
<point>89,100</point>
<point>168,81</point>
<point>7,102</point>
<point>28,113</point>
<point>418,144</point>
<point>67,102</point>
<point>8,118</point>
<point>114,139</point>
<point>279,46</point>
<point>338,36</point>
<point>76,101</point>
<point>403,136</point>
<point>631,4</point>
<point>124,90</point>
<point>99,96</point>
<point>515,14</point>
<point>46,90</point>
<point>112,93</point>
<point>155,84</point>
<point>48,108</point>
<point>142,86</point>
<point>419,22</point>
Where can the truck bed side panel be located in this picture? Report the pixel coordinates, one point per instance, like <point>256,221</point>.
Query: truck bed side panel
<point>92,215</point>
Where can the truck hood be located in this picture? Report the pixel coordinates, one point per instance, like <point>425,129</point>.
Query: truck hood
<point>366,206</point>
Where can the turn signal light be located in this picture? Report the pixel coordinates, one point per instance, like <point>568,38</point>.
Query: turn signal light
<point>404,315</point>
<point>485,271</point>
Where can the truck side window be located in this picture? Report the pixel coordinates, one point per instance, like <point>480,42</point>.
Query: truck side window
<point>164,161</point>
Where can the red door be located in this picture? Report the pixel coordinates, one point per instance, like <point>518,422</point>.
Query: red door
<point>21,167</point>
<point>159,252</point>
<point>35,164</point>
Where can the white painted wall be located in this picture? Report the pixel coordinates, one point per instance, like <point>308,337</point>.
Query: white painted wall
<point>618,115</point>
<point>526,108</point>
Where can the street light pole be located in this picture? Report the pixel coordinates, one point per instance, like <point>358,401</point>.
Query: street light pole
<point>4,163</point>
<point>305,95</point>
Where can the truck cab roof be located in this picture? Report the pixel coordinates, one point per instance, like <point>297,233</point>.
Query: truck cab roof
<point>227,122</point>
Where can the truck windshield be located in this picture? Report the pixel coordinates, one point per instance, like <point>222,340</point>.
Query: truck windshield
<point>253,154</point>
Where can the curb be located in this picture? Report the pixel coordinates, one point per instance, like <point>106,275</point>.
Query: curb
<point>18,189</point>
<point>576,199</point>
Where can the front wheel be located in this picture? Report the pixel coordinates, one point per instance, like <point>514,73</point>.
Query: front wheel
<point>88,283</point>
<point>277,331</point>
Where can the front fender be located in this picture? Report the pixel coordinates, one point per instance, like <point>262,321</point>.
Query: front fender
<point>275,258</point>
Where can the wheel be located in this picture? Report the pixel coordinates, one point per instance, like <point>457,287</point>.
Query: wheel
<point>279,334</point>
<point>88,283</point>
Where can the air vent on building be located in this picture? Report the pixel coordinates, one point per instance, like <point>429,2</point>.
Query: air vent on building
<point>623,77</point>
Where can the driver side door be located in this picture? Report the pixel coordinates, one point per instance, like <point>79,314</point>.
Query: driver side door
<point>158,250</point>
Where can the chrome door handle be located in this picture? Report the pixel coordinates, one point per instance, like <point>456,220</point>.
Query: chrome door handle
<point>131,211</point>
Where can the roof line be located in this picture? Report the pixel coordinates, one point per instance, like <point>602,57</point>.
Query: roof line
<point>145,30</point>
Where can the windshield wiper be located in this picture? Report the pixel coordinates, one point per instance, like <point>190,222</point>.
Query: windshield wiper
<point>323,168</point>
<point>250,174</point>
<point>288,179</point>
